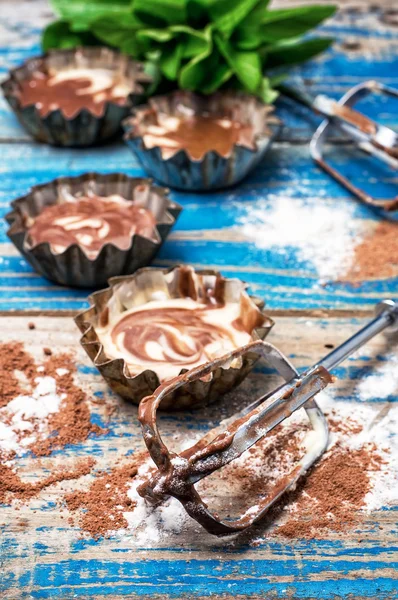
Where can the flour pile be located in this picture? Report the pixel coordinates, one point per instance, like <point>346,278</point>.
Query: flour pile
<point>150,525</point>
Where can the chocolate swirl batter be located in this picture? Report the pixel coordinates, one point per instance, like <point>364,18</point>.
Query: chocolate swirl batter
<point>197,134</point>
<point>72,90</point>
<point>91,222</point>
<point>173,335</point>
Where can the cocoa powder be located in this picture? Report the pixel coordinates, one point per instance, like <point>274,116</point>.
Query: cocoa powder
<point>329,498</point>
<point>255,473</point>
<point>106,499</point>
<point>13,359</point>
<point>71,424</point>
<point>12,487</point>
<point>332,494</point>
<point>376,257</point>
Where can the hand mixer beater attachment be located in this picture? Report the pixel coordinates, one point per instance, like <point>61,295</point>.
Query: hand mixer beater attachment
<point>369,136</point>
<point>177,473</point>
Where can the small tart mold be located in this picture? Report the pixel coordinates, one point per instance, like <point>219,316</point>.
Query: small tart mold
<point>212,171</point>
<point>180,282</point>
<point>73,267</point>
<point>84,128</point>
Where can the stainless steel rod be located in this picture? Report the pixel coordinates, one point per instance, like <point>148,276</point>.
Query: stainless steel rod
<point>387,317</point>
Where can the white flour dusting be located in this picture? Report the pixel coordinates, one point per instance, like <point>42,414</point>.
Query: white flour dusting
<point>26,416</point>
<point>382,383</point>
<point>322,232</point>
<point>150,525</point>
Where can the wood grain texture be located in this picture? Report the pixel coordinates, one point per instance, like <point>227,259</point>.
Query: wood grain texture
<point>366,47</point>
<point>41,556</point>
<point>44,557</point>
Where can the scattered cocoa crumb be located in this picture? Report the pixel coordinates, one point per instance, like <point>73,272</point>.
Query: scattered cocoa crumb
<point>13,488</point>
<point>31,325</point>
<point>346,426</point>
<point>47,351</point>
<point>253,475</point>
<point>376,257</point>
<point>13,358</point>
<point>106,500</point>
<point>71,424</point>
<point>332,494</point>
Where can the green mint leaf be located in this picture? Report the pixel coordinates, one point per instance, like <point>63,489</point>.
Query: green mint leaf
<point>192,40</point>
<point>293,22</point>
<point>118,33</point>
<point>206,76</point>
<point>59,35</point>
<point>279,25</point>
<point>266,91</point>
<point>193,74</point>
<point>249,37</point>
<point>255,15</point>
<point>227,14</point>
<point>291,52</point>
<point>170,60</point>
<point>157,13</point>
<point>246,65</point>
<point>218,74</point>
<point>80,14</point>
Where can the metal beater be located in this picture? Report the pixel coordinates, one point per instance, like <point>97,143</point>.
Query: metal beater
<point>177,473</point>
<point>370,137</point>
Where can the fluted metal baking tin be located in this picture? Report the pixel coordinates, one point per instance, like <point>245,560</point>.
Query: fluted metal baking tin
<point>84,129</point>
<point>213,171</point>
<point>138,289</point>
<point>73,267</point>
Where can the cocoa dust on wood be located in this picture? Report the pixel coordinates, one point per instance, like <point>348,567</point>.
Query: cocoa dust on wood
<point>106,499</point>
<point>328,499</point>
<point>332,495</point>
<point>12,487</point>
<point>376,257</point>
<point>71,424</point>
<point>14,359</point>
<point>256,472</point>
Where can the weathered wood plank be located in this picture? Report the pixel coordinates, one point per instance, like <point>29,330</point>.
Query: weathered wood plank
<point>42,556</point>
<point>208,232</point>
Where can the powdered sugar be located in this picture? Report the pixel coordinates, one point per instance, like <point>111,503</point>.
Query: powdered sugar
<point>26,415</point>
<point>150,525</point>
<point>320,231</point>
<point>382,383</point>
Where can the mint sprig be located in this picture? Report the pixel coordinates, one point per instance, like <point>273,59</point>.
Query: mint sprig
<point>199,45</point>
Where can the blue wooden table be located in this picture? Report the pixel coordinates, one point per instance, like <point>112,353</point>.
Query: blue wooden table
<point>49,559</point>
